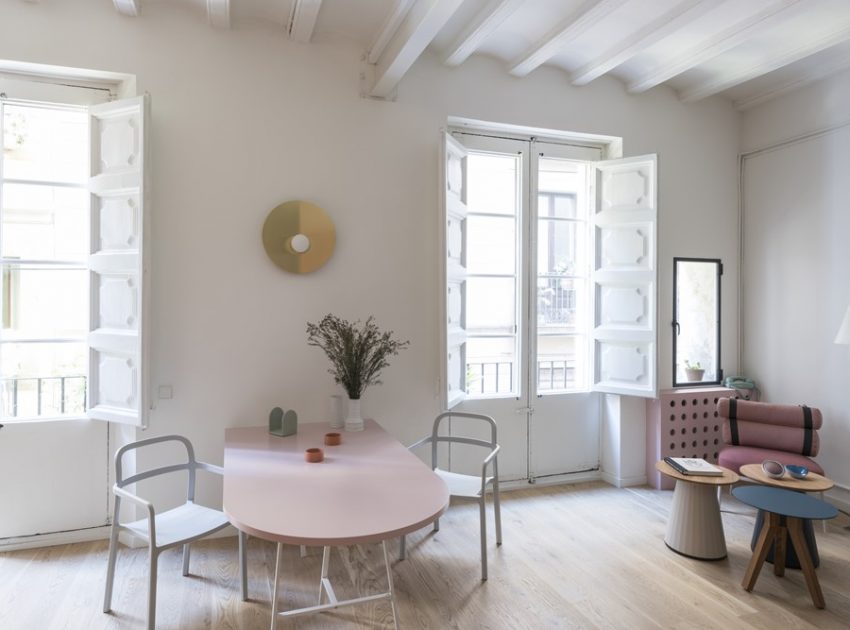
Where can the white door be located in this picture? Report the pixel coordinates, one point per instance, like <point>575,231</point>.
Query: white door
<point>537,300</point>
<point>519,369</point>
<point>564,415</point>
<point>58,304</point>
<point>484,278</point>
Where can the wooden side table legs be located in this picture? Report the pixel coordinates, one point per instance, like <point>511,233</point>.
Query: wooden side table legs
<point>774,531</point>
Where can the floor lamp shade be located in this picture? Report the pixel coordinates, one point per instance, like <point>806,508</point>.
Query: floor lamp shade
<point>843,335</point>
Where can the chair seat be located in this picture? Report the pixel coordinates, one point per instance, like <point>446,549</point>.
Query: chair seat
<point>187,521</point>
<point>462,485</point>
<point>733,457</point>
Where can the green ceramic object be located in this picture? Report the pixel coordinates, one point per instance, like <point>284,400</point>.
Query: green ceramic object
<point>282,422</point>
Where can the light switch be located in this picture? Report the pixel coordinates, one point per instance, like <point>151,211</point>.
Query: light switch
<point>165,392</point>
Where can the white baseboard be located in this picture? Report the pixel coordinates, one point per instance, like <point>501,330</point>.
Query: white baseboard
<point>549,480</point>
<point>55,538</point>
<point>623,482</point>
<point>84,535</point>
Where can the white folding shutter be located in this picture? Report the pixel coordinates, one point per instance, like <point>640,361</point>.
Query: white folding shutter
<point>624,277</point>
<point>453,195</point>
<point>117,383</point>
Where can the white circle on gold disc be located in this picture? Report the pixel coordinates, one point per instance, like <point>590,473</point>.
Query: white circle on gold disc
<point>300,243</point>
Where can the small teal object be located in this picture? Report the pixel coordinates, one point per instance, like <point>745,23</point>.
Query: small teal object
<point>798,472</point>
<point>282,422</point>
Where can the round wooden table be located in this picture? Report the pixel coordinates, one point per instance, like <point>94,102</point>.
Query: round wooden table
<point>812,483</point>
<point>695,528</point>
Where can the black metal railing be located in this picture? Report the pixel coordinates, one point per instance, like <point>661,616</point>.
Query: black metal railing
<point>497,377</point>
<point>43,395</point>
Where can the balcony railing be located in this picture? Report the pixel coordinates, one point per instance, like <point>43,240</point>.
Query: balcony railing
<point>42,396</point>
<point>497,377</point>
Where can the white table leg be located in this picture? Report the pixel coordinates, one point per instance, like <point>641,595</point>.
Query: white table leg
<point>390,582</point>
<point>277,563</point>
<point>695,528</point>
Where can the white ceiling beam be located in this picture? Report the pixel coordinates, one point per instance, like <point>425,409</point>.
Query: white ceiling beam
<point>423,22</point>
<point>712,46</point>
<point>479,29</point>
<point>590,12</point>
<point>218,13</point>
<point>812,75</point>
<point>388,29</point>
<point>127,7</point>
<point>780,60</point>
<point>655,31</point>
<point>302,19</point>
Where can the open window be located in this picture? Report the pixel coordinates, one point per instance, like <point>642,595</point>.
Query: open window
<point>72,261</point>
<point>696,321</point>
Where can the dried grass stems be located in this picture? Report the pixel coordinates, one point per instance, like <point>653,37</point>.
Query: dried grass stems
<point>358,351</point>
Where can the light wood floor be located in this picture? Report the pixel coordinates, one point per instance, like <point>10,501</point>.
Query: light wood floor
<point>583,556</point>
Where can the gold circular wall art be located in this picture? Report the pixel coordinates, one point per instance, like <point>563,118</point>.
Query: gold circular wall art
<point>298,236</point>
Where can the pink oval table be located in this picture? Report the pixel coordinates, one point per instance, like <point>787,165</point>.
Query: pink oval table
<point>368,489</point>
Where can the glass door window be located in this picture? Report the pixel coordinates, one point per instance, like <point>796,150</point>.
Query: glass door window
<point>562,277</point>
<point>44,243</point>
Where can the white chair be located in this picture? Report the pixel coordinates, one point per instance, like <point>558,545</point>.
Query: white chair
<point>468,486</point>
<point>179,526</point>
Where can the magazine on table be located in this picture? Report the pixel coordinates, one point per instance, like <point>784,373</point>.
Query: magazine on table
<point>693,466</point>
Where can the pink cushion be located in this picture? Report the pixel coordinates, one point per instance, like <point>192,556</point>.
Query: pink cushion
<point>733,457</point>
<point>768,413</point>
<point>770,436</point>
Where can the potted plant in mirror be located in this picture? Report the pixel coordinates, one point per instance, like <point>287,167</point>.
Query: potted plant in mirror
<point>694,371</point>
<point>358,352</point>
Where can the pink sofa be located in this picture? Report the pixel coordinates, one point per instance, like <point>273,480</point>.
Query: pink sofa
<point>756,431</point>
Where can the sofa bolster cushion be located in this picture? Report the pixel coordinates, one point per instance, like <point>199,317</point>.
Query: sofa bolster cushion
<point>768,413</point>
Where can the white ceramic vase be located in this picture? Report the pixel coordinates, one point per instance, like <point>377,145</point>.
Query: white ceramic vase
<point>354,421</point>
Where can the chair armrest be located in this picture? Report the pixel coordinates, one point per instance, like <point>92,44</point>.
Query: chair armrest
<point>210,467</point>
<point>120,492</point>
<point>424,440</point>
<point>486,463</point>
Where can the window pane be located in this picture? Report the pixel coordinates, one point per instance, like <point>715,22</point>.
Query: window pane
<point>491,305</point>
<point>33,383</point>
<point>44,144</point>
<point>560,247</point>
<point>491,245</point>
<point>560,304</point>
<point>491,366</point>
<point>44,303</point>
<point>560,176</point>
<point>560,206</point>
<point>44,222</point>
<point>697,313</point>
<point>560,363</point>
<point>492,183</point>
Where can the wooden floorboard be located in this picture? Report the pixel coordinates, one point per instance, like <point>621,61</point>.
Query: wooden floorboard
<point>581,556</point>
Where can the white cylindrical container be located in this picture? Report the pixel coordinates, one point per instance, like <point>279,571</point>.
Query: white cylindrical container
<point>335,412</point>
<point>354,421</point>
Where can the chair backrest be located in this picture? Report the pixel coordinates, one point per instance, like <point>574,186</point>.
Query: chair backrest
<point>789,428</point>
<point>436,438</point>
<point>189,465</point>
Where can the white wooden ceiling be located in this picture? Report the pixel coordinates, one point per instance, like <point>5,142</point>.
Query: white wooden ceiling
<point>747,50</point>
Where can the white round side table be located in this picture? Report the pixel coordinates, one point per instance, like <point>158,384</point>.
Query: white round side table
<point>695,528</point>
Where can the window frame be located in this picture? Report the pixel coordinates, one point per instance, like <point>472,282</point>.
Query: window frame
<point>675,323</point>
<point>6,265</point>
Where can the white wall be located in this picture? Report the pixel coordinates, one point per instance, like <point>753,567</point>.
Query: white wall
<point>795,265</point>
<point>244,120</point>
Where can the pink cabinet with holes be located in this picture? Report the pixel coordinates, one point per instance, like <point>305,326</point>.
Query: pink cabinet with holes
<point>682,422</point>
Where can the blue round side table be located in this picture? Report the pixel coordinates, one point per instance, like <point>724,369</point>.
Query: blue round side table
<point>785,512</point>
